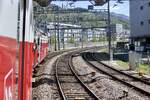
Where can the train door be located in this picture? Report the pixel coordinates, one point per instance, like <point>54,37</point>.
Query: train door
<point>26,51</point>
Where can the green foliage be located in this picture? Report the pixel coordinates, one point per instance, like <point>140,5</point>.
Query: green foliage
<point>85,19</point>
<point>125,24</point>
<point>94,39</point>
<point>123,64</point>
<point>102,38</point>
<point>142,67</point>
<point>71,40</point>
<point>52,39</point>
<point>145,68</point>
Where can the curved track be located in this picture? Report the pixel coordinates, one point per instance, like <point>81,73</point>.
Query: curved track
<point>69,83</point>
<point>138,84</point>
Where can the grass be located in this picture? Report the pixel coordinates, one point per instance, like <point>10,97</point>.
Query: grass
<point>122,64</point>
<point>104,50</point>
<point>144,68</point>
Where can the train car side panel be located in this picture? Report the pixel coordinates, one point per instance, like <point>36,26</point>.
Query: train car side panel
<point>8,48</point>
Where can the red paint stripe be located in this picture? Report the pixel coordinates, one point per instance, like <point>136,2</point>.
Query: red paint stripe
<point>8,49</point>
<point>30,56</point>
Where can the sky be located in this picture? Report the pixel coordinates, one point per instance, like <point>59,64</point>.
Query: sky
<point>120,8</point>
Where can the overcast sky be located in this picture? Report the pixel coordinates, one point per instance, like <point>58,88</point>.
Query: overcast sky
<point>120,8</point>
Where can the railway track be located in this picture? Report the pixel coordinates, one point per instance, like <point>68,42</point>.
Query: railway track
<point>135,83</point>
<point>42,75</point>
<point>45,86</point>
<point>46,60</point>
<point>70,86</point>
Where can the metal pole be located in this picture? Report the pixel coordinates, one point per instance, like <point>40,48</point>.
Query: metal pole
<point>58,37</point>
<point>109,31</point>
<point>55,33</point>
<point>63,40</point>
<point>148,57</point>
<point>82,39</point>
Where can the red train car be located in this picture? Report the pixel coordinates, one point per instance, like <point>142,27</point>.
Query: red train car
<point>21,48</point>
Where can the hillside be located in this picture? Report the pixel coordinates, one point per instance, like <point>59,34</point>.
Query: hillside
<point>83,17</point>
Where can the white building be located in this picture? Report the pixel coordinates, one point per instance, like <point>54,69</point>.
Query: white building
<point>140,30</point>
<point>140,18</point>
<point>119,32</point>
<point>117,28</point>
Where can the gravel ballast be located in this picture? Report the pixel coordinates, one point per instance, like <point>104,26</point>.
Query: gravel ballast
<point>104,86</point>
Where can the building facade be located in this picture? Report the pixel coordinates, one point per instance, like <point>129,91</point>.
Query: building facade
<point>140,18</point>
<point>140,32</point>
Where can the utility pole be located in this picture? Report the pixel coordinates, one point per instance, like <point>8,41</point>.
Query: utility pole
<point>82,37</point>
<point>63,40</point>
<point>109,31</point>
<point>55,33</point>
<point>58,35</point>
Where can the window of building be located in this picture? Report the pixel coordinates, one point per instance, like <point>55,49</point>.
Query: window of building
<point>149,4</point>
<point>149,21</point>
<point>141,7</point>
<point>142,23</point>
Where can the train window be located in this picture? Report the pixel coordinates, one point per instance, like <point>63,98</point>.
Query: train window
<point>18,23</point>
<point>149,21</point>
<point>38,41</point>
<point>141,7</point>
